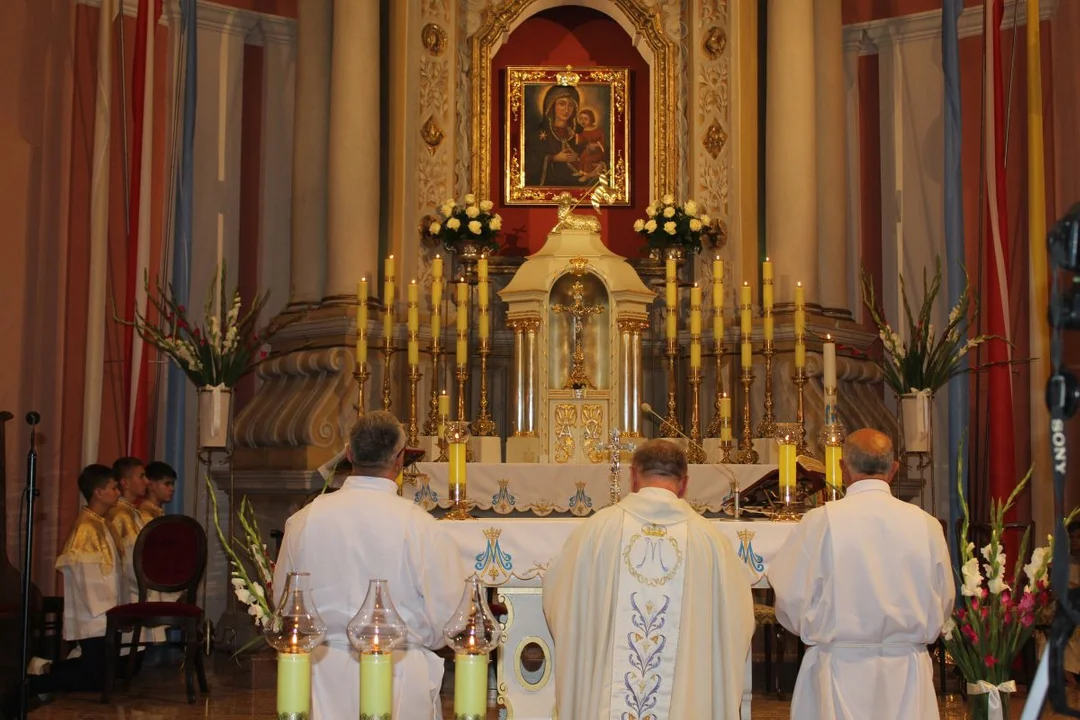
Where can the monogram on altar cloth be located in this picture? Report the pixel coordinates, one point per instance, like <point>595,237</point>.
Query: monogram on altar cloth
<point>580,490</point>
<point>513,554</point>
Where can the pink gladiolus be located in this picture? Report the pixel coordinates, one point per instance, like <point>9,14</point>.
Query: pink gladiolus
<point>985,593</point>
<point>961,615</point>
<point>1008,618</point>
<point>984,612</point>
<point>969,633</point>
<point>990,661</point>
<point>1006,599</point>
<point>1027,620</point>
<point>1027,602</point>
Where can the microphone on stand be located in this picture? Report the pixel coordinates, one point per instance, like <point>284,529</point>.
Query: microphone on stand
<point>734,481</point>
<point>32,419</point>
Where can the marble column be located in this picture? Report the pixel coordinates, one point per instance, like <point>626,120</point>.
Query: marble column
<point>831,162</point>
<point>353,187</point>
<point>526,369</point>
<point>311,134</point>
<point>632,374</point>
<point>791,149</point>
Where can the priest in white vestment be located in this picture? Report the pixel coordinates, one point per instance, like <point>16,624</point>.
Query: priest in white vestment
<point>649,606</point>
<point>364,531</point>
<point>866,583</point>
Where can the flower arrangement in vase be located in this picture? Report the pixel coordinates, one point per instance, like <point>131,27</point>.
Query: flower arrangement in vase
<point>671,228</point>
<point>468,229</point>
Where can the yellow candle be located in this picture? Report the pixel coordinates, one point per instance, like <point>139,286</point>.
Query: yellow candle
<point>414,309</point>
<point>444,404</point>
<point>361,304</point>
<point>745,298</point>
<point>388,322</point>
<point>294,684</point>
<point>768,323</point>
<point>766,270</point>
<point>718,325</point>
<point>361,350</point>
<point>376,685</point>
<point>718,270</point>
<point>390,267</point>
<point>725,414</point>
<point>470,685</point>
<point>436,268</point>
<point>436,293</point>
<point>767,295</point>
<point>747,355</point>
<point>671,330</point>
<point>695,354</point>
<point>800,295</point>
<point>456,457</point>
<point>483,294</point>
<point>787,465</point>
<point>833,476</point>
<point>485,324</point>
<point>414,351</point>
<point>695,310</point>
<point>800,354</point>
<point>671,294</point>
<point>800,321</point>
<point>436,322</point>
<point>462,353</point>
<point>482,269</point>
<point>669,269</point>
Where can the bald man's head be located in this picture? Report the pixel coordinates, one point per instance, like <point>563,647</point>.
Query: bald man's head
<point>868,454</point>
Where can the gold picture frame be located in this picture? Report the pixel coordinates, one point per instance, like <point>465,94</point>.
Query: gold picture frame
<point>566,128</point>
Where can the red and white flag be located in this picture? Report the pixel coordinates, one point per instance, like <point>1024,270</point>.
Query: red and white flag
<point>142,86</point>
<point>996,301</point>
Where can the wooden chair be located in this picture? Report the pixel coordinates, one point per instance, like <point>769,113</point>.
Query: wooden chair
<point>170,557</point>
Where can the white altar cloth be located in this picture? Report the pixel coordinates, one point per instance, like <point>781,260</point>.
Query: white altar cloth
<point>513,554</point>
<point>506,488</point>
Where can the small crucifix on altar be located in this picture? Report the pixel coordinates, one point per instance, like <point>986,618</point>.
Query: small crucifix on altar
<point>615,448</point>
<point>578,313</point>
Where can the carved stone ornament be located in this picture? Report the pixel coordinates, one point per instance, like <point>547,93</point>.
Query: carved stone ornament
<point>432,134</point>
<point>568,220</point>
<point>715,139</point>
<point>434,39</point>
<point>715,43</point>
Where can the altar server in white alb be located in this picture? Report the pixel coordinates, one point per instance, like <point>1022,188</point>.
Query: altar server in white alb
<point>866,583</point>
<point>364,531</point>
<point>649,606</point>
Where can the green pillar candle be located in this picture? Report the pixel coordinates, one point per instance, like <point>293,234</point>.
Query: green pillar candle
<point>294,686</point>
<point>376,686</point>
<point>470,686</point>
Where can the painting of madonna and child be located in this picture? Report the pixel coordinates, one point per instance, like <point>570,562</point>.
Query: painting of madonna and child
<point>566,130</point>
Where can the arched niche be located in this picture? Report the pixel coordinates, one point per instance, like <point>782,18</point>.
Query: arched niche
<point>595,330</point>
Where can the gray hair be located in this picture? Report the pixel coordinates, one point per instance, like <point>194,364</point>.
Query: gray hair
<point>375,440</point>
<point>661,458</point>
<point>865,461</point>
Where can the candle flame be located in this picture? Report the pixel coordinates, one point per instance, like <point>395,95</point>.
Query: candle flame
<point>391,256</point>
<point>437,256</point>
<point>828,337</point>
<point>414,281</point>
<point>363,279</point>
<point>744,282</point>
<point>798,284</point>
<point>766,258</point>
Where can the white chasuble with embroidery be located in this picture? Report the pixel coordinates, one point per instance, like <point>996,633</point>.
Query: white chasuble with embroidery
<point>651,578</point>
<point>651,613</point>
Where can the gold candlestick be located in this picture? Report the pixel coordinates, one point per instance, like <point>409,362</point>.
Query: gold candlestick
<point>462,375</point>
<point>484,426</point>
<point>800,380</point>
<point>747,455</point>
<point>671,428</point>
<point>414,381</point>
<point>361,375</point>
<point>431,425</point>
<point>443,419</point>
<point>388,353</point>
<point>767,426</point>
<point>695,454</point>
<point>715,423</point>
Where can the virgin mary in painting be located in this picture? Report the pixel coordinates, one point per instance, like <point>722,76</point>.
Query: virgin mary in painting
<point>553,149</point>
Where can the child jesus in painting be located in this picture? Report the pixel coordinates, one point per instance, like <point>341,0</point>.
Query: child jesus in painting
<point>591,138</point>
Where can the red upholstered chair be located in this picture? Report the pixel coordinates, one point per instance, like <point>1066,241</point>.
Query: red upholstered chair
<point>170,557</point>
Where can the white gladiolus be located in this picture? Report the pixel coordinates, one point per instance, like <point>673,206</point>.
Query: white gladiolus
<point>650,210</point>
<point>997,583</point>
<point>668,199</point>
<point>472,211</point>
<point>495,223</point>
<point>695,225</point>
<point>244,596</point>
<point>669,228</point>
<point>486,205</point>
<point>435,228</point>
<point>453,223</point>
<point>669,212</point>
<point>258,590</point>
<point>237,583</point>
<point>690,207</point>
<point>650,226</point>
<point>1040,560</point>
<point>639,225</point>
<point>474,227</point>
<point>947,629</point>
<point>470,199</point>
<point>972,586</point>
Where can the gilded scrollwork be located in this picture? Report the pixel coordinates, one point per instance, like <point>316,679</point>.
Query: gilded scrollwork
<point>592,436</point>
<point>434,39</point>
<point>715,139</point>
<point>566,419</point>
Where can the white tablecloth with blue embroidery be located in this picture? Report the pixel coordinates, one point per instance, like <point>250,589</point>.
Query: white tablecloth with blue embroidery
<point>506,488</point>
<point>517,551</point>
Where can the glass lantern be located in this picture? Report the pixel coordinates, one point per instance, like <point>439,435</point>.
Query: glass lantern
<point>294,630</point>
<point>375,631</point>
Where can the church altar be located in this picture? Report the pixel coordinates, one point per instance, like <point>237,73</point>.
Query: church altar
<point>518,488</point>
<point>513,555</point>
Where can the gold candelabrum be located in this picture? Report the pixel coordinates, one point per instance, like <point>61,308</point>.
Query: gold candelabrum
<point>431,425</point>
<point>457,438</point>
<point>800,381</point>
<point>361,375</point>
<point>414,405</point>
<point>670,428</point>
<point>441,430</point>
<point>484,426</point>
<point>715,424</point>
<point>747,455</point>
<point>767,426</point>
<point>726,441</point>
<point>388,354</point>
<point>462,375</point>
<point>695,454</point>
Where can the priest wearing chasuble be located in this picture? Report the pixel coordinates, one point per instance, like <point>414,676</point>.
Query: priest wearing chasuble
<point>364,531</point>
<point>649,606</point>
<point>866,583</point>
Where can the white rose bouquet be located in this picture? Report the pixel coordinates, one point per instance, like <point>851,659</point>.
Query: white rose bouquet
<point>669,224</point>
<point>467,222</point>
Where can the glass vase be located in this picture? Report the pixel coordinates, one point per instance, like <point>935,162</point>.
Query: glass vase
<point>979,706</point>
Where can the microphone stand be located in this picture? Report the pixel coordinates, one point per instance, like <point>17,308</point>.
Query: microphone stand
<point>32,419</point>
